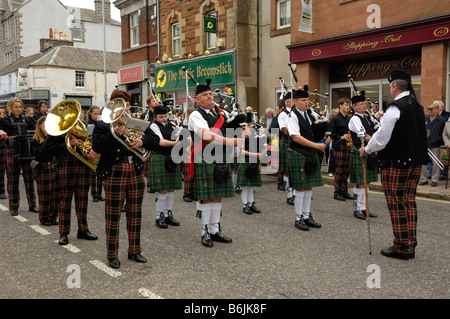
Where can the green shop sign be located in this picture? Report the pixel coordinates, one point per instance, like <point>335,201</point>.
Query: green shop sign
<point>218,68</point>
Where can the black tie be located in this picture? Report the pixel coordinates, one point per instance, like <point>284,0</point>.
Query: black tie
<point>306,117</point>
<point>214,113</point>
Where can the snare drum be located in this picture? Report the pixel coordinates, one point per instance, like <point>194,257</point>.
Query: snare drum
<point>22,146</point>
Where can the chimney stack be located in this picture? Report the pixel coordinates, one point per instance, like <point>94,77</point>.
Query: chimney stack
<point>98,11</point>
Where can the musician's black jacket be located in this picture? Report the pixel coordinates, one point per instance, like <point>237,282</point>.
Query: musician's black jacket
<point>150,115</point>
<point>17,126</point>
<point>37,149</point>
<point>339,127</point>
<point>112,151</point>
<point>55,148</point>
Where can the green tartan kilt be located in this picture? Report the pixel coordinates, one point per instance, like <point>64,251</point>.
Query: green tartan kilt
<point>243,180</point>
<point>356,169</point>
<point>160,178</point>
<point>235,164</point>
<point>205,186</point>
<point>283,155</point>
<point>298,179</point>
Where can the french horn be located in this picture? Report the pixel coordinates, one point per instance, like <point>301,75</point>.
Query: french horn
<point>114,113</point>
<point>65,117</point>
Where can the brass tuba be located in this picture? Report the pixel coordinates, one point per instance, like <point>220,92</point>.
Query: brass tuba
<point>115,114</point>
<point>65,117</point>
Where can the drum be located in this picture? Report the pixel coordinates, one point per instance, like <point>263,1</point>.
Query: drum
<point>22,146</point>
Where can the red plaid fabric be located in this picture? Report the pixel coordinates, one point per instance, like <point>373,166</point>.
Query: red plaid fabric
<point>13,167</point>
<point>400,187</point>
<point>75,179</point>
<point>123,184</point>
<point>2,165</point>
<point>48,192</point>
<point>342,168</point>
<point>188,182</point>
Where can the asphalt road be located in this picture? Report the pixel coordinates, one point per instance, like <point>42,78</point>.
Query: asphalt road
<point>268,259</point>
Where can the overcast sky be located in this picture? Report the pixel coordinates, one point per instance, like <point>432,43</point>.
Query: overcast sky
<point>115,13</point>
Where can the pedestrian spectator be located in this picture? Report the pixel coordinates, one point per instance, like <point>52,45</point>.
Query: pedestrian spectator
<point>446,115</point>
<point>435,125</point>
<point>42,109</point>
<point>266,120</point>
<point>2,158</point>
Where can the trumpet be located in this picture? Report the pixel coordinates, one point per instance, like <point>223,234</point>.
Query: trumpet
<point>114,113</point>
<point>65,117</point>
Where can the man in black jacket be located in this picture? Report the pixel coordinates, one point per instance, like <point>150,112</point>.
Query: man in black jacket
<point>340,135</point>
<point>435,126</point>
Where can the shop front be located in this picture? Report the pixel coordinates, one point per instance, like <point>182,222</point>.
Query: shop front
<point>31,97</point>
<point>173,86</point>
<point>133,80</point>
<point>367,57</point>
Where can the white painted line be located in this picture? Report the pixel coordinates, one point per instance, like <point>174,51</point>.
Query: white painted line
<point>21,218</point>
<point>40,230</point>
<point>148,294</point>
<point>3,207</point>
<point>70,247</point>
<point>105,268</point>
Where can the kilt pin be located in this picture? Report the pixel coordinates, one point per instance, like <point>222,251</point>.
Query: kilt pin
<point>75,180</point>
<point>124,183</point>
<point>400,185</point>
<point>48,189</point>
<point>13,168</point>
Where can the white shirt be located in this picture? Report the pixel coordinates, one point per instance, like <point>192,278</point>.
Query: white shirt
<point>196,121</point>
<point>156,130</point>
<point>292,123</point>
<point>282,119</point>
<point>382,137</point>
<point>355,123</point>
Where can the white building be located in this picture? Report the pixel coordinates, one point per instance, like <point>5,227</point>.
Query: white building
<point>60,73</point>
<point>25,21</point>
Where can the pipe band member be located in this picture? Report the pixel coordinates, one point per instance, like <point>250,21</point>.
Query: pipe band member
<point>48,186</point>
<point>401,143</point>
<point>205,123</point>
<point>303,160</point>
<point>121,169</point>
<point>249,172</point>
<point>341,148</point>
<point>14,127</point>
<point>359,121</point>
<point>165,175</point>
<point>284,144</point>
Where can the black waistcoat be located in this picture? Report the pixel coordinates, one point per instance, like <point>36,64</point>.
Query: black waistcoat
<point>166,134</point>
<point>369,131</point>
<point>408,143</point>
<point>305,130</point>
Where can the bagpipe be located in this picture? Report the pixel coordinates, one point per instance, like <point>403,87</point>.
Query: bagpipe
<point>321,127</point>
<point>232,114</point>
<point>354,92</point>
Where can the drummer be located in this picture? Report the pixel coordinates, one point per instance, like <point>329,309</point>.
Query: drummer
<point>12,125</point>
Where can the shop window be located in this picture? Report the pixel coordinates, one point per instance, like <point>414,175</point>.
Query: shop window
<point>283,14</point>
<point>134,29</point>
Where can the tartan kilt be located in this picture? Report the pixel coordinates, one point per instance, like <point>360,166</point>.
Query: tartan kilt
<point>243,180</point>
<point>298,179</point>
<point>160,178</point>
<point>356,169</point>
<point>283,156</point>
<point>205,186</point>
